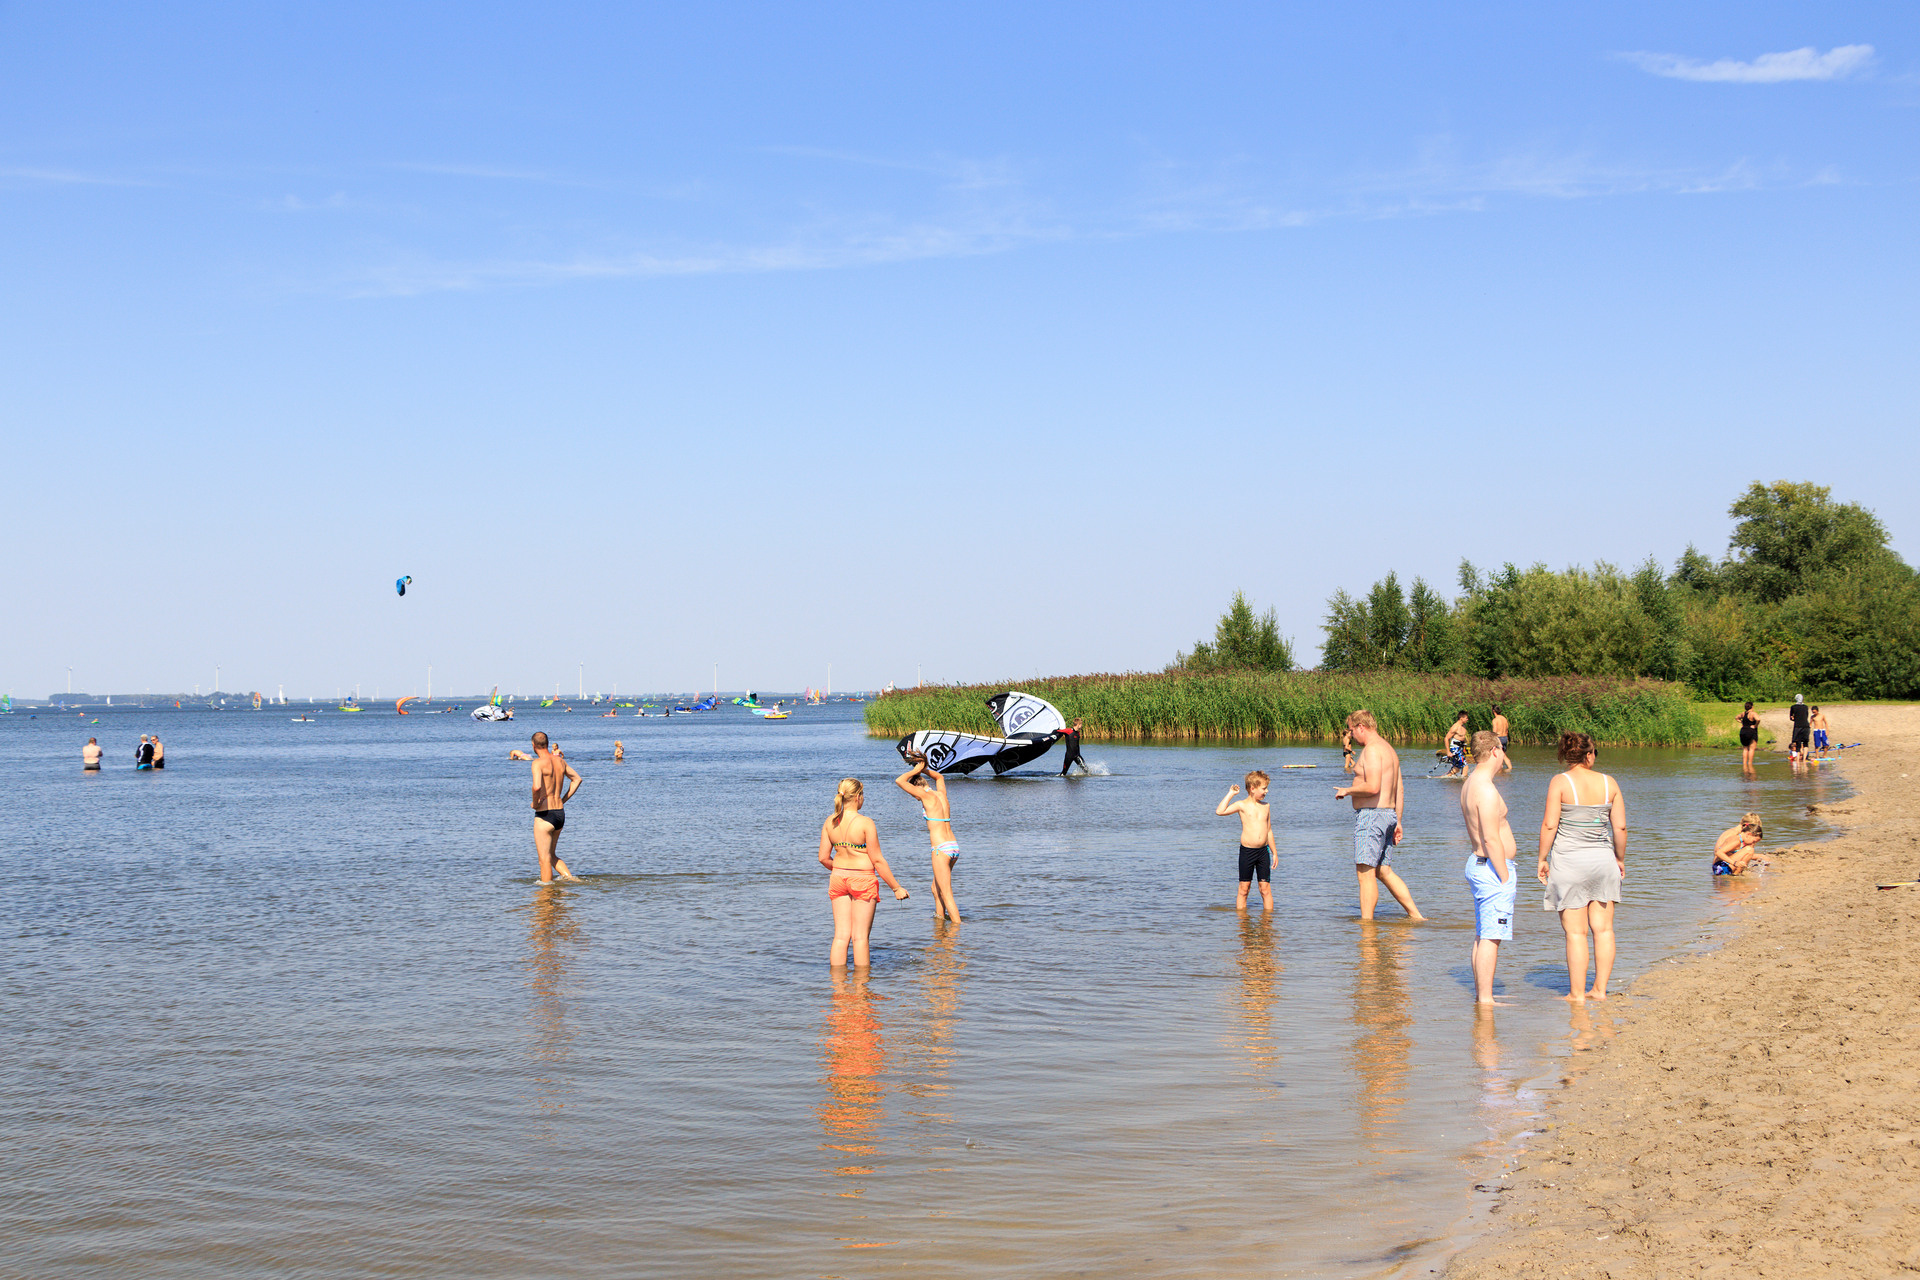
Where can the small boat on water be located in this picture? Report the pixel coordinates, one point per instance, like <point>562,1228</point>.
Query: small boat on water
<point>490,712</point>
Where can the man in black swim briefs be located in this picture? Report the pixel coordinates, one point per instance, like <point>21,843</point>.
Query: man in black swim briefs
<point>554,783</point>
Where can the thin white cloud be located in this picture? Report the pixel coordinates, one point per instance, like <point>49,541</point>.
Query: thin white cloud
<point>65,178</point>
<point>1769,68</point>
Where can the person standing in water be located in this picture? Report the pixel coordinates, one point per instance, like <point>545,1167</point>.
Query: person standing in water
<point>1378,799</point>
<point>1500,730</point>
<point>1072,738</point>
<point>143,754</point>
<point>90,756</point>
<point>1801,727</point>
<point>1256,837</point>
<point>619,751</point>
<point>554,783</point>
<point>850,849</point>
<point>1583,860</point>
<point>1490,872</point>
<point>159,753</point>
<point>1456,747</point>
<point>938,811</point>
<point>1749,736</point>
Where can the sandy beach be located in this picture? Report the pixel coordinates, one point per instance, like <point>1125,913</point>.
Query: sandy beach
<point>1752,1110</point>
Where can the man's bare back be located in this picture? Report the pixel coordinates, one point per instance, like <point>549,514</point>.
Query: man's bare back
<point>554,783</point>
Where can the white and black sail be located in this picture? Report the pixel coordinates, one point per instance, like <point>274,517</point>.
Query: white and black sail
<point>1031,725</point>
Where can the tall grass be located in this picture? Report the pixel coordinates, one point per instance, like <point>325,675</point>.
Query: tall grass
<point>1409,708</point>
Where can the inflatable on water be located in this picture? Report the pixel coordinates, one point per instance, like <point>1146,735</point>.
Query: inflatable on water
<point>490,712</point>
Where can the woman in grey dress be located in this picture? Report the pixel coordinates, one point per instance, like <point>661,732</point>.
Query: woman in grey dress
<point>1583,859</point>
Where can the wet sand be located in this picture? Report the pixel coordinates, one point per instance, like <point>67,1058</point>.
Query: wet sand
<point>1755,1111</point>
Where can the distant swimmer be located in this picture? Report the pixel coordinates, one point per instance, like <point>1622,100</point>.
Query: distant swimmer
<point>90,755</point>
<point>1734,852</point>
<point>850,849</point>
<point>1500,730</point>
<point>1346,750</point>
<point>1583,861</point>
<point>619,751</point>
<point>143,754</point>
<point>1378,800</point>
<point>937,809</point>
<point>1456,747</point>
<point>518,754</point>
<point>554,783</point>
<point>1256,837</point>
<point>1072,738</point>
<point>159,753</point>
<point>1490,871</point>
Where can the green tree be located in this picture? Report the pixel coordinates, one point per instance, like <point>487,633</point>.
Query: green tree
<point>1669,656</point>
<point>1792,535</point>
<point>1346,647</point>
<point>1242,641</point>
<point>1431,641</point>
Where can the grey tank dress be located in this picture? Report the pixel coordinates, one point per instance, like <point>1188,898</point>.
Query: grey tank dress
<point>1580,865</point>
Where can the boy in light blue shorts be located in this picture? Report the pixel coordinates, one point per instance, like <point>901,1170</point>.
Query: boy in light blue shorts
<point>1490,871</point>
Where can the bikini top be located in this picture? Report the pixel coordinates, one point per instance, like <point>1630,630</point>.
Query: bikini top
<point>930,818</point>
<point>848,844</point>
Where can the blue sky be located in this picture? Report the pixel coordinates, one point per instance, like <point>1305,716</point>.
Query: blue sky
<point>984,340</point>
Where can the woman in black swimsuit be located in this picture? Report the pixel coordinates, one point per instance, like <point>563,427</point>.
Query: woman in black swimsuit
<point>1749,736</point>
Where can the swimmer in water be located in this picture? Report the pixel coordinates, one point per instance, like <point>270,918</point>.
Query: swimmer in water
<point>619,751</point>
<point>1346,750</point>
<point>850,849</point>
<point>554,783</point>
<point>1256,837</point>
<point>1733,851</point>
<point>938,812</point>
<point>159,753</point>
<point>1501,728</point>
<point>90,755</point>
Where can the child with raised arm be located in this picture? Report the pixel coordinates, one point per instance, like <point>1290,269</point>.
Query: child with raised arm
<point>1733,851</point>
<point>850,848</point>
<point>938,812</point>
<point>1256,837</point>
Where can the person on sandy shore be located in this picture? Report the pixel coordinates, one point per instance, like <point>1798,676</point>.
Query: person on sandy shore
<point>1072,738</point>
<point>1749,723</point>
<point>1583,861</point>
<point>1456,747</point>
<point>1501,728</point>
<point>90,756</point>
<point>1378,801</point>
<point>1734,852</point>
<point>554,783</point>
<point>937,809</point>
<point>1257,851</point>
<point>1490,872</point>
<point>1820,726</point>
<point>850,850</point>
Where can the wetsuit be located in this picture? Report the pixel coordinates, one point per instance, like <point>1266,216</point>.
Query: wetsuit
<point>1072,738</point>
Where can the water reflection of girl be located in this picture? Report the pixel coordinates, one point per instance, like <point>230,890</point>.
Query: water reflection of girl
<point>854,1055</point>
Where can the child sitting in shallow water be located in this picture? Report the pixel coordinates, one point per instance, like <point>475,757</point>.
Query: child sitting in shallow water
<point>1733,851</point>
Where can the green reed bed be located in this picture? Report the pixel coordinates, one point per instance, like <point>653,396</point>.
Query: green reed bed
<point>1306,705</point>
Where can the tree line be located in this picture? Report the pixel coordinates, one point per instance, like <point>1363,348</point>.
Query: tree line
<point>1808,598</point>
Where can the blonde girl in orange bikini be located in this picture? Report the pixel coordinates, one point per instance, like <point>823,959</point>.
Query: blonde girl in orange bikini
<point>850,848</point>
<point>938,812</point>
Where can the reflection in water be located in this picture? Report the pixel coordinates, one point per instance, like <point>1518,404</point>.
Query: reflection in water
<point>929,1044</point>
<point>550,932</point>
<point>1383,1053</point>
<point>1585,1032</point>
<point>1259,987</point>
<point>853,1053</point>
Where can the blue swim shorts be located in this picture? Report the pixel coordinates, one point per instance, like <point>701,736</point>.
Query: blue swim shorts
<point>1373,837</point>
<point>1492,900</point>
<point>1820,739</point>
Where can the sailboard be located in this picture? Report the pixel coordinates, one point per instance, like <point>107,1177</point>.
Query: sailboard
<point>1029,725</point>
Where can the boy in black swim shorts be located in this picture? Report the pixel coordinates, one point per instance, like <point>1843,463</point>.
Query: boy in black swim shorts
<point>1256,837</point>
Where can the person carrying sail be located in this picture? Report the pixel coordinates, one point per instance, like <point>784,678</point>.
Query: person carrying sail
<point>1072,738</point>
<point>938,812</point>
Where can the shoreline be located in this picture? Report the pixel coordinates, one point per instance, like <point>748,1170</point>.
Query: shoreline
<point>1755,1109</point>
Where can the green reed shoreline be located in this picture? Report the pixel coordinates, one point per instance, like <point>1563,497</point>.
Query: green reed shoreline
<point>1179,706</point>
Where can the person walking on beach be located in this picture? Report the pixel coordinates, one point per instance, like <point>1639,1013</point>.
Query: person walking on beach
<point>1733,851</point>
<point>1500,731</point>
<point>90,756</point>
<point>1456,747</point>
<point>1583,860</point>
<point>1801,729</point>
<point>1749,736</point>
<point>554,783</point>
<point>1256,837</point>
<point>1072,738</point>
<point>850,849</point>
<point>938,812</point>
<point>1378,799</point>
<point>1490,872</point>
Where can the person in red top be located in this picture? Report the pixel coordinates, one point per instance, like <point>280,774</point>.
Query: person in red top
<point>1072,738</point>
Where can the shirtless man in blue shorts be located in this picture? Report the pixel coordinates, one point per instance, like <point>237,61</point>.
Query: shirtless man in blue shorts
<point>1378,800</point>
<point>1490,866</point>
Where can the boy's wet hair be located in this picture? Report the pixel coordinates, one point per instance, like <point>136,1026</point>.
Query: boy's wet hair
<point>1258,775</point>
<point>1485,743</point>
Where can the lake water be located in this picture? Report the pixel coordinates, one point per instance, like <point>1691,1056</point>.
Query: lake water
<point>296,1006</point>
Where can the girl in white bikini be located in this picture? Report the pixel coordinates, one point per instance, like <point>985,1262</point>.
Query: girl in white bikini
<point>939,815</point>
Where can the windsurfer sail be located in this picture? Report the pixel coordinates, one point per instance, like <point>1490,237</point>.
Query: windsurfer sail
<point>1031,726</point>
